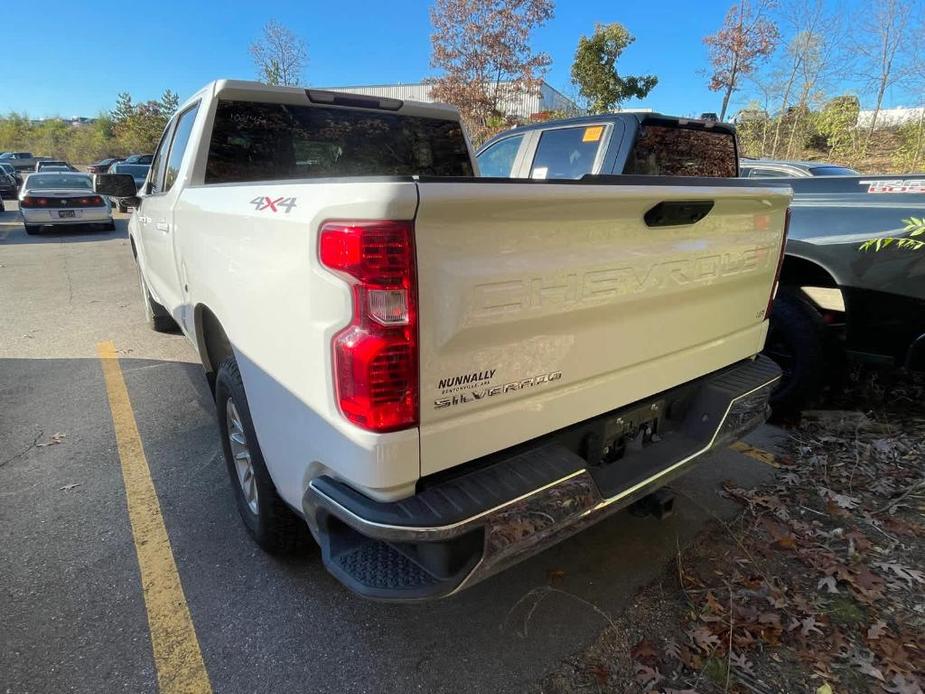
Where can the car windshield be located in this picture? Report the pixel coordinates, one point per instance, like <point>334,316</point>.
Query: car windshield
<point>833,171</point>
<point>55,181</point>
<point>135,170</point>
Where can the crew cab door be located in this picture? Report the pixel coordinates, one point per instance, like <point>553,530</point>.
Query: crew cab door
<point>156,217</point>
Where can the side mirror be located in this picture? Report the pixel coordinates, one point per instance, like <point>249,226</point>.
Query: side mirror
<point>114,185</point>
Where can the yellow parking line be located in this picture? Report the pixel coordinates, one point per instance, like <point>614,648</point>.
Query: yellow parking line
<point>755,453</point>
<point>177,656</point>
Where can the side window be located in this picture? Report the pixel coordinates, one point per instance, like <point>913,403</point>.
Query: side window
<point>160,162</point>
<point>498,160</point>
<point>567,152</point>
<point>180,140</point>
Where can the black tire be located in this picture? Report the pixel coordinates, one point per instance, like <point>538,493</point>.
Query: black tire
<point>32,229</point>
<point>157,317</point>
<point>796,341</point>
<point>274,527</point>
<point>110,226</point>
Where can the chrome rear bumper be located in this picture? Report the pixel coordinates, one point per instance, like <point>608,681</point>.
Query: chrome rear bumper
<point>414,558</point>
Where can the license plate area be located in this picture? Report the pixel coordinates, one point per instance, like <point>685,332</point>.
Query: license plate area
<point>629,432</point>
<point>67,214</point>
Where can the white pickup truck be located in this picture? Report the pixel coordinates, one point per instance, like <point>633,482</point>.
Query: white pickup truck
<point>442,374</point>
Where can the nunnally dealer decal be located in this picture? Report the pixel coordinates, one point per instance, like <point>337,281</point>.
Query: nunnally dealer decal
<point>470,387</point>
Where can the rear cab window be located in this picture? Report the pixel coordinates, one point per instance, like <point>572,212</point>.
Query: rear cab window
<point>833,171</point>
<point>254,141</point>
<point>567,153</point>
<point>672,148</point>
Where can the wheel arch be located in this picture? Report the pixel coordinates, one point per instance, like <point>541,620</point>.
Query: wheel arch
<point>211,340</point>
<point>797,271</point>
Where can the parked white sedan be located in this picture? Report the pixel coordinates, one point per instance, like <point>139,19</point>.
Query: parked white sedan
<point>60,199</point>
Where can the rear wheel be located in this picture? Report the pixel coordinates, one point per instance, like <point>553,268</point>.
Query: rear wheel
<point>32,229</point>
<point>267,518</point>
<point>156,315</point>
<point>796,342</point>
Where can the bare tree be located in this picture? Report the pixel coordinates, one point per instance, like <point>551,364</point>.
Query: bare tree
<point>279,55</point>
<point>483,49</point>
<point>746,38</point>
<point>883,54</point>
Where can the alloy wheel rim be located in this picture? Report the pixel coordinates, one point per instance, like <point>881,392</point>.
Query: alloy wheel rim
<point>241,455</point>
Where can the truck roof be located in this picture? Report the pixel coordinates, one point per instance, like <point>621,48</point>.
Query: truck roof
<point>257,91</point>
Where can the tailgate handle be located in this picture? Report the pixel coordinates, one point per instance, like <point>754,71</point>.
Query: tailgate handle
<point>670,213</point>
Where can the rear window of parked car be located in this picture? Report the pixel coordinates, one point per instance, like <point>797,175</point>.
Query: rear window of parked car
<point>52,181</point>
<point>676,150</point>
<point>260,142</point>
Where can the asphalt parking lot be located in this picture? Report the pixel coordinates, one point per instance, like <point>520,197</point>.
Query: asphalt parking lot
<point>73,613</point>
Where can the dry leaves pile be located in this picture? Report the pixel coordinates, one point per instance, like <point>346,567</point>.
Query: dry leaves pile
<point>817,586</point>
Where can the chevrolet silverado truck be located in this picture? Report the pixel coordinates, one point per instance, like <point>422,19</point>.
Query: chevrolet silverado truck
<point>441,374</point>
<point>834,300</point>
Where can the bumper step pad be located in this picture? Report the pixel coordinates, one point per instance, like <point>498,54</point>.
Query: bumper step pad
<point>380,566</point>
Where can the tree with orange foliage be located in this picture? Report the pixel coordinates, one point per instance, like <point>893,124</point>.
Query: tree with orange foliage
<point>483,49</point>
<point>746,38</point>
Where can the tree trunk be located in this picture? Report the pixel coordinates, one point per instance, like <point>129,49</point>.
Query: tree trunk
<point>873,119</point>
<point>733,75</point>
<point>783,110</point>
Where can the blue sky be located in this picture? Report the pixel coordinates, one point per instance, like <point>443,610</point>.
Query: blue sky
<point>72,58</point>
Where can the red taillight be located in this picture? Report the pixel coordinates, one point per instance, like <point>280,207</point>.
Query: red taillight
<point>88,201</point>
<point>780,264</point>
<point>376,355</point>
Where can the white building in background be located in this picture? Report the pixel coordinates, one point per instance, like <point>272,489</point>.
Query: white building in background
<point>521,105</point>
<point>891,117</point>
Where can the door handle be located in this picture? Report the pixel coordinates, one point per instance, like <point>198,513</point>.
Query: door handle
<point>162,226</point>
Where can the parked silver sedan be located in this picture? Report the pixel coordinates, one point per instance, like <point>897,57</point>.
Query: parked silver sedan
<point>62,199</point>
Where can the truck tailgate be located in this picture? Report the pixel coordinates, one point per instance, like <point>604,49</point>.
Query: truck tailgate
<point>542,305</point>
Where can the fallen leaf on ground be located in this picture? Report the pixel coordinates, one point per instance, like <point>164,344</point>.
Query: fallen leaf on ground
<point>810,625</point>
<point>705,639</point>
<point>910,576</point>
<point>644,650</point>
<point>741,663</point>
<point>646,676</point>
<point>876,630</point>
<point>841,500</point>
<point>904,684</point>
<point>867,667</point>
<point>829,583</point>
<point>55,439</point>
